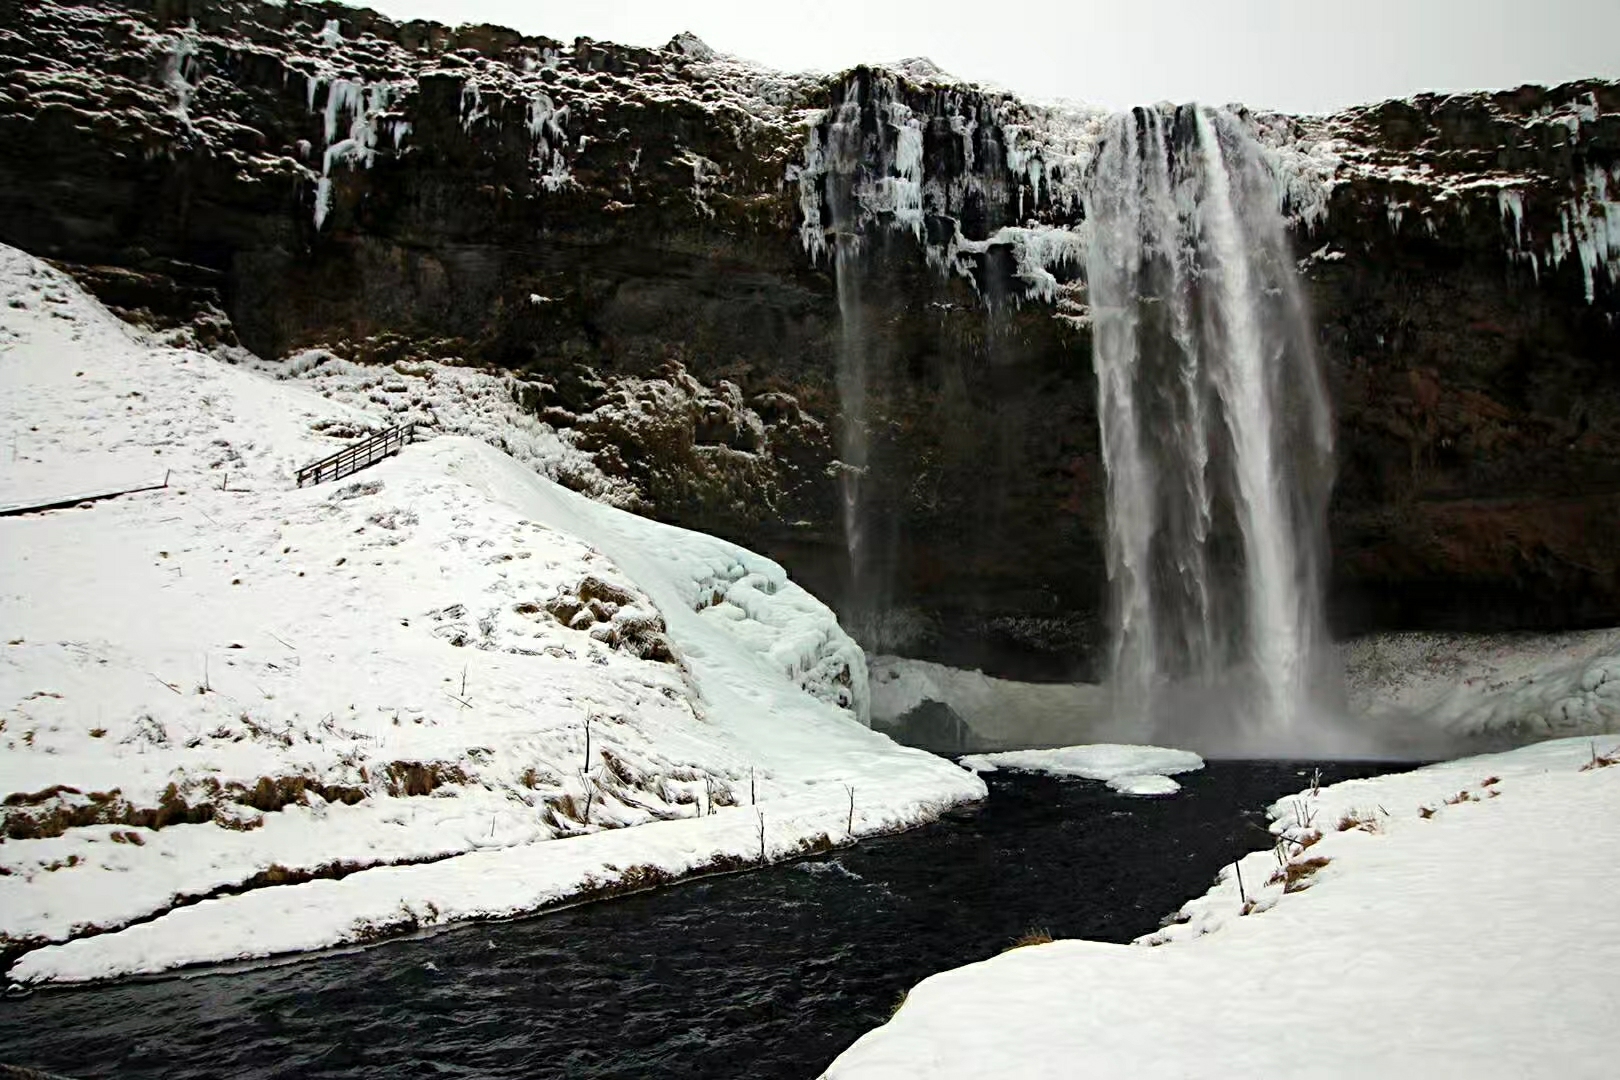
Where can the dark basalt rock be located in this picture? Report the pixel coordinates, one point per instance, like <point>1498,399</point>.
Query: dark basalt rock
<point>1479,435</point>
<point>626,229</point>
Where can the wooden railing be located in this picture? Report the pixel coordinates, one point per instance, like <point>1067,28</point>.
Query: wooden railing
<point>64,502</point>
<point>352,459</point>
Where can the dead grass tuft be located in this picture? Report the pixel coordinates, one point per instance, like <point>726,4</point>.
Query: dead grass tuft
<point>533,778</point>
<point>1365,820</point>
<point>1033,936</point>
<point>1295,876</point>
<point>1602,761</point>
<point>563,807</point>
<point>416,778</point>
<point>1306,839</point>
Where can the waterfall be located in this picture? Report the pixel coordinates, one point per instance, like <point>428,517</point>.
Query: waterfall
<point>1215,433</point>
<point>844,153</point>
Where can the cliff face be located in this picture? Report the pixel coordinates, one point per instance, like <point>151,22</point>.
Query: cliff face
<point>1471,338</point>
<point>660,229</point>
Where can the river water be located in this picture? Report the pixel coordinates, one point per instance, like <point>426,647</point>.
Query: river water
<point>764,974</point>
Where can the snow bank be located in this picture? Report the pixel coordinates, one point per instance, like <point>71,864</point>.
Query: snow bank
<point>1506,687</point>
<point>254,714</point>
<point>1415,935</point>
<point>998,713</point>
<point>1103,761</point>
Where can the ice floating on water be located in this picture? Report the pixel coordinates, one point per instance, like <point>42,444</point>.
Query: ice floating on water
<point>1101,761</point>
<point>1150,785</point>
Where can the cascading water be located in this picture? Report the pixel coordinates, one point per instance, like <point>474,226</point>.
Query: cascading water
<point>1216,434</point>
<point>845,154</point>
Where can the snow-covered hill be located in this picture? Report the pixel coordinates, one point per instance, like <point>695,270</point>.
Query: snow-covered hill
<point>243,718</point>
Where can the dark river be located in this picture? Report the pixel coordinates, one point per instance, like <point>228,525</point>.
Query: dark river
<point>767,974</point>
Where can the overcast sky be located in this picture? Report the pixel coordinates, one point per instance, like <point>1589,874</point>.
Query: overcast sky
<point>1303,55</point>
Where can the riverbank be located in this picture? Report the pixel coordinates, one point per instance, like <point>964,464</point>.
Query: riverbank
<point>768,974</point>
<point>1454,920</point>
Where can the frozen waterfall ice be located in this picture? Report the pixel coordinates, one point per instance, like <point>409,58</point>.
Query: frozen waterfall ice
<point>1216,434</point>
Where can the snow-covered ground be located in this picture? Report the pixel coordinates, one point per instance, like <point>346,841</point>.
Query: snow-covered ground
<point>396,685</point>
<point>1454,921</point>
<point>1129,770</point>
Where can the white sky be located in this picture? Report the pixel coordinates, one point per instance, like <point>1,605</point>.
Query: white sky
<point>1302,55</point>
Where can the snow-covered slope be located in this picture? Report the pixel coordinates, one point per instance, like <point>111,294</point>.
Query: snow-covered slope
<point>1454,921</point>
<point>230,686</point>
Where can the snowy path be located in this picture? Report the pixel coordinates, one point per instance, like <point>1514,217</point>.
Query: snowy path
<point>1476,937</point>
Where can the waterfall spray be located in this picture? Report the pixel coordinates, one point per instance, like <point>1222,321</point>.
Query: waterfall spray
<point>1215,433</point>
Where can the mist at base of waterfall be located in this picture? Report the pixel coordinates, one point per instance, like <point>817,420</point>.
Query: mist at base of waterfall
<point>1218,719</point>
<point>1392,697</point>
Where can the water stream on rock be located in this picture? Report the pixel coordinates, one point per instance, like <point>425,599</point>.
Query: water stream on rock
<point>844,150</point>
<point>1216,436</point>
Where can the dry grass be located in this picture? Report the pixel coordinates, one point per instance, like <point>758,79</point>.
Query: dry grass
<point>534,778</point>
<point>1365,820</point>
<point>416,778</point>
<point>564,807</point>
<point>1033,936</point>
<point>1602,761</point>
<point>1295,876</point>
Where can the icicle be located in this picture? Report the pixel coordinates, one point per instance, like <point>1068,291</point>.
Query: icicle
<point>180,69</point>
<point>362,106</point>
